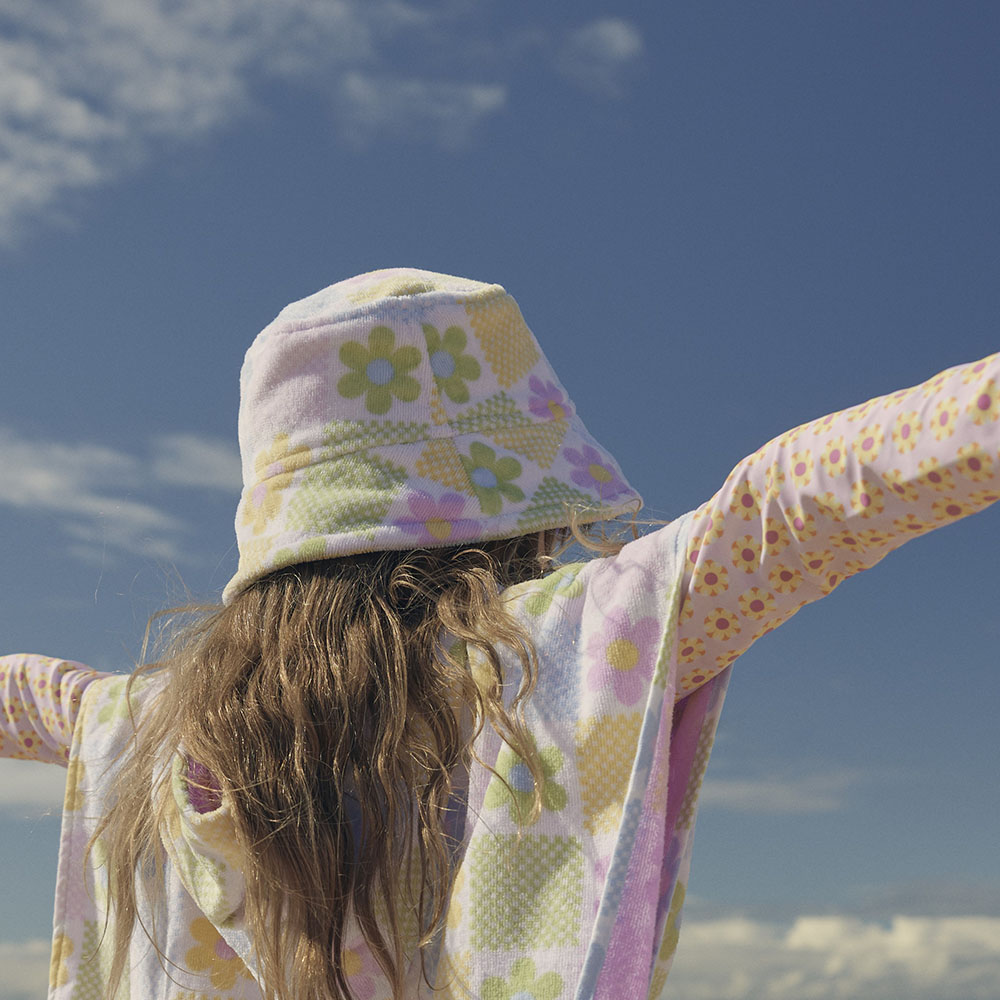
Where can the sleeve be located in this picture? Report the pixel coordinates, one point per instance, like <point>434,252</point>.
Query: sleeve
<point>41,699</point>
<point>829,499</point>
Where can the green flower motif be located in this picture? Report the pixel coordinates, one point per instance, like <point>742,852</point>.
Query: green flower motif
<point>523,984</point>
<point>458,650</point>
<point>491,477</point>
<point>309,551</point>
<point>378,371</point>
<point>450,365</point>
<point>117,705</point>
<point>519,791</point>
<point>564,582</point>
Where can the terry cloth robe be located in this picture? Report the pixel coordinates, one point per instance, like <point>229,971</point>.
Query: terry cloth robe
<point>584,902</point>
<point>814,506</point>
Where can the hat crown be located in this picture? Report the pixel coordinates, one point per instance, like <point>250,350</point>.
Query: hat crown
<point>402,408</point>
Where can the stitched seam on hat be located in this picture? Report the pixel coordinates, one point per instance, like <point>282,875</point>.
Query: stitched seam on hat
<point>393,305</point>
<point>366,434</point>
<point>329,452</point>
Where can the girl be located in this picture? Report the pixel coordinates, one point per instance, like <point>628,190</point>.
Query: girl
<point>406,754</point>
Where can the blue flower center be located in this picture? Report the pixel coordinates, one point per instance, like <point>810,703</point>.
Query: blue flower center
<point>484,478</point>
<point>520,778</point>
<point>380,371</point>
<point>443,364</point>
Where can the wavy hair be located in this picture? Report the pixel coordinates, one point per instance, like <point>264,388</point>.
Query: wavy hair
<point>321,684</point>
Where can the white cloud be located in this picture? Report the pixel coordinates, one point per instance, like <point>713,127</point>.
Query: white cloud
<point>839,958</point>
<point>90,89</point>
<point>85,486</point>
<point>29,789</point>
<point>25,967</point>
<point>811,793</point>
<point>191,460</point>
<point>94,493</point>
<point>415,109</point>
<point>601,56</point>
<point>93,88</point>
<point>71,480</point>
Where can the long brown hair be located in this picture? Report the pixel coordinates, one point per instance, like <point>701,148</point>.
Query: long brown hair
<point>321,683</point>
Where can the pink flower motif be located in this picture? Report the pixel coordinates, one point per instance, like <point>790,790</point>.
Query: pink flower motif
<point>547,403</point>
<point>594,472</point>
<point>623,655</point>
<point>439,521</point>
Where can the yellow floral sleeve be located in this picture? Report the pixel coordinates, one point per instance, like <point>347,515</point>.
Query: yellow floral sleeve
<point>829,499</point>
<point>41,699</point>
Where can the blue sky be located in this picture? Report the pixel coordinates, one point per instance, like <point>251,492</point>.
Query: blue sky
<point>721,219</point>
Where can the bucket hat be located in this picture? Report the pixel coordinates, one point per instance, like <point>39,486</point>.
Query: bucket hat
<point>402,409</point>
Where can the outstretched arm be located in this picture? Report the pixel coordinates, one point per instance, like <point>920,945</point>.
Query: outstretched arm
<point>41,699</point>
<point>829,499</point>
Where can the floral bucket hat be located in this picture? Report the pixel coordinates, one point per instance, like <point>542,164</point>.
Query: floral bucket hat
<point>402,409</point>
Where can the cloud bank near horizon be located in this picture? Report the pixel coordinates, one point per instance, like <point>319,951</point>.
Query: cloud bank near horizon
<point>839,958</point>
<point>812,958</point>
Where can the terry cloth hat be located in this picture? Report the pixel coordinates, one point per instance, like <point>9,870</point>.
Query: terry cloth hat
<point>402,409</point>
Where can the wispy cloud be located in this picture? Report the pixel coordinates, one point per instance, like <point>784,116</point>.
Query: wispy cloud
<point>29,789</point>
<point>100,497</point>
<point>91,491</point>
<point>444,113</point>
<point>839,958</point>
<point>602,56</point>
<point>810,793</point>
<point>195,461</point>
<point>87,87</point>
<point>92,89</point>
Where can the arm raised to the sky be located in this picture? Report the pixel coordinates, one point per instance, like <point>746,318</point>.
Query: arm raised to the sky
<point>40,701</point>
<point>829,499</point>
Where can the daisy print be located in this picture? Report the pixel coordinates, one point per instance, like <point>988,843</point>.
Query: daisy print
<point>776,537</point>
<point>802,523</point>
<point>985,408</point>
<point>974,463</point>
<point>944,418</point>
<point>834,457</point>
